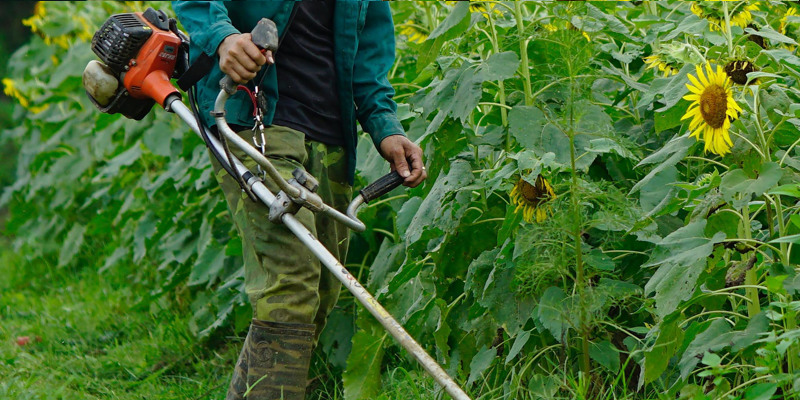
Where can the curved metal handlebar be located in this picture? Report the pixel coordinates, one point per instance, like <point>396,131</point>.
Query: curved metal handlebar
<point>265,36</point>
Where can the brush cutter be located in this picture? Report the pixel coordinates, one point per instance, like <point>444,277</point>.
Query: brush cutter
<point>140,53</point>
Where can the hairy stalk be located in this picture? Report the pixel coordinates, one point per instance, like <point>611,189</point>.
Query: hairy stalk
<point>576,214</point>
<point>523,52</point>
<point>728,34</point>
<point>751,277</point>
<point>501,91</point>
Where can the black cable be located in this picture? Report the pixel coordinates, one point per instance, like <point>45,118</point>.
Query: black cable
<point>204,133</point>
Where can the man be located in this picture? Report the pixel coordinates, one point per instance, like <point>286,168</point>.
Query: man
<point>331,70</point>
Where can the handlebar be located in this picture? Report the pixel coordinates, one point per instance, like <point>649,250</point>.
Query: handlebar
<point>265,36</point>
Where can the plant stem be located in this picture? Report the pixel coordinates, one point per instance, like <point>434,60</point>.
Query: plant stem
<point>523,53</point>
<point>751,277</point>
<point>576,214</point>
<point>501,91</point>
<point>728,34</point>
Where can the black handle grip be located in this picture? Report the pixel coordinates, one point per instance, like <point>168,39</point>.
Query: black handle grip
<point>383,185</point>
<point>265,36</point>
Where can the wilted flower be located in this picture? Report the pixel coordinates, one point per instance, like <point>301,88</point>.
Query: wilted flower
<point>737,70</point>
<point>533,199</point>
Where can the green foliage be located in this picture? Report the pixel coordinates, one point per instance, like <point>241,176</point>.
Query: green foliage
<point>657,270</point>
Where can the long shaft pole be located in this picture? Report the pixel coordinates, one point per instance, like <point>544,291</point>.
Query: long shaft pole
<point>342,274</point>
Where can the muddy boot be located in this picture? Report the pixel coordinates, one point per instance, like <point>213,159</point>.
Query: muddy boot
<point>274,362</point>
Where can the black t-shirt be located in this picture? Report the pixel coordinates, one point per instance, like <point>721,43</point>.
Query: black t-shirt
<point>308,99</point>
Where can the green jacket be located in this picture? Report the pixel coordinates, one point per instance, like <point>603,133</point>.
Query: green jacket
<point>365,49</point>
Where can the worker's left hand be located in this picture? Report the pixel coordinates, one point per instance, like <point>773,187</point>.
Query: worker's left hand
<point>400,152</point>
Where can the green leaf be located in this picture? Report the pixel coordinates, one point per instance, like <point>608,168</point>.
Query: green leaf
<point>669,155</point>
<point>605,354</point>
<point>608,145</point>
<point>787,239</point>
<point>159,137</point>
<point>433,212</point>
<point>768,33</point>
<point>668,338</point>
<point>480,363</point>
<point>208,265</point>
<point>144,229</point>
<point>761,391</point>
<point>552,313</point>
<point>682,257</point>
<point>737,183</point>
<point>124,159</point>
<point>498,67</point>
<point>791,190</point>
<point>519,342</point>
<point>362,377</point>
<point>671,118</point>
<point>598,260</point>
<point>725,222</point>
<point>714,338</point>
<point>71,245</point>
<point>459,13</point>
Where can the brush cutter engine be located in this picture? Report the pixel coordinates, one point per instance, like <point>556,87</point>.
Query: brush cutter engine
<point>139,53</point>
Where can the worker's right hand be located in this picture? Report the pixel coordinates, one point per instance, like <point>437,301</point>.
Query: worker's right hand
<point>240,59</point>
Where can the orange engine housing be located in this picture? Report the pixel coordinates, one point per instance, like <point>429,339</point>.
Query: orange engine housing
<point>148,76</point>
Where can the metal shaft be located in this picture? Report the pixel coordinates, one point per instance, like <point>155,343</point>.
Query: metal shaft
<point>342,274</point>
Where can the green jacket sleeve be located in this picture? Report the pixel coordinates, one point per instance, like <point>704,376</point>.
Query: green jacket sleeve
<point>372,92</point>
<point>206,22</point>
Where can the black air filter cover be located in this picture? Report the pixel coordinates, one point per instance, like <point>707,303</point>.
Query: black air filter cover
<point>120,39</point>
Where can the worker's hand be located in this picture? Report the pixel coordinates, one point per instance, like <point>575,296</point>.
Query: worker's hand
<point>400,151</point>
<point>240,59</point>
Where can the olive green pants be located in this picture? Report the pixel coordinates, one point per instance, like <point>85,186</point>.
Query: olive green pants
<point>283,280</point>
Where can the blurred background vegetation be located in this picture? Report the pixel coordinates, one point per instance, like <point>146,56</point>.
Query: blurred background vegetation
<point>12,35</point>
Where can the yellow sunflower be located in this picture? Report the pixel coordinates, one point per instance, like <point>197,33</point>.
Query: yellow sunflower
<point>483,7</point>
<point>413,32</point>
<point>712,109</point>
<point>656,61</point>
<point>533,199</point>
<point>11,90</point>
<point>741,13</point>
<point>789,28</point>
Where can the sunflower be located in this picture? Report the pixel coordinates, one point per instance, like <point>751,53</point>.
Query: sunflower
<point>413,32</point>
<point>737,70</point>
<point>712,109</point>
<point>759,40</point>
<point>11,90</point>
<point>790,28</point>
<point>483,7</point>
<point>741,13</point>
<point>657,61</point>
<point>532,199</point>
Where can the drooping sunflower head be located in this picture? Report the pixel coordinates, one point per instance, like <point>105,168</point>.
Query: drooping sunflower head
<point>712,108</point>
<point>759,40</point>
<point>669,58</point>
<point>413,32</point>
<point>661,62</point>
<point>483,7</point>
<point>741,13</point>
<point>737,70</point>
<point>532,199</point>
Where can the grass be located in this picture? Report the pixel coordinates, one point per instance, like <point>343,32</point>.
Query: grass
<point>86,341</point>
